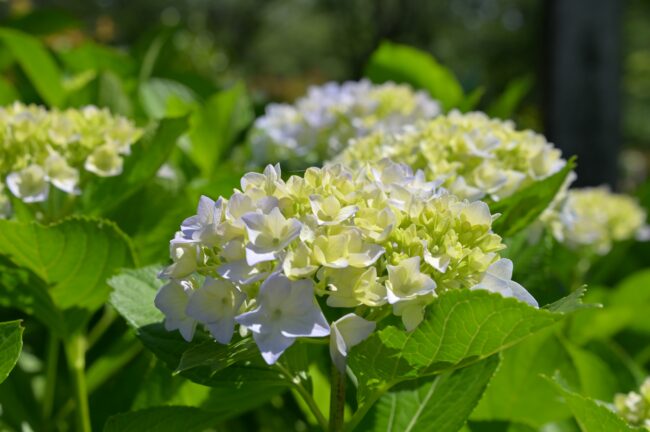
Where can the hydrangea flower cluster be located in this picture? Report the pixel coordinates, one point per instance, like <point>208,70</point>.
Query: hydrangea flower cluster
<point>373,241</point>
<point>476,156</point>
<point>42,147</point>
<point>596,218</point>
<point>635,407</point>
<point>318,126</point>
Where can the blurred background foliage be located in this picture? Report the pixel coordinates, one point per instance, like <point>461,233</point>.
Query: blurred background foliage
<point>193,48</point>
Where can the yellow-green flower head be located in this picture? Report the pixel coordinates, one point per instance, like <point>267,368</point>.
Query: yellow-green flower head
<point>475,156</point>
<point>378,236</point>
<point>318,126</point>
<point>595,218</point>
<point>635,407</point>
<point>42,147</point>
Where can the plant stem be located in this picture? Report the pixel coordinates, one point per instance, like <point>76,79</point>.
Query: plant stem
<point>107,318</point>
<point>306,396</point>
<point>364,408</point>
<point>52,361</point>
<point>76,354</point>
<point>337,400</point>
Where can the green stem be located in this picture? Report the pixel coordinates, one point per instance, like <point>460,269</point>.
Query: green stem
<point>306,396</point>
<point>337,400</point>
<point>52,359</point>
<point>75,349</point>
<point>364,408</point>
<point>107,318</point>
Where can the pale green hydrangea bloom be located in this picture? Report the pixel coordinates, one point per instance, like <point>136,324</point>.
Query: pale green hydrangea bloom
<point>42,147</point>
<point>318,126</point>
<point>595,218</point>
<point>635,407</point>
<point>475,156</point>
<point>377,239</point>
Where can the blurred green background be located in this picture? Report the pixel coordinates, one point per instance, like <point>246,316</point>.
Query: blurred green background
<point>279,47</point>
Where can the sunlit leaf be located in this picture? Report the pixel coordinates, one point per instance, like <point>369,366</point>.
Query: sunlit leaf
<point>402,63</point>
<point>524,206</point>
<point>73,258</point>
<point>591,415</point>
<point>37,63</point>
<point>441,403</point>
<point>11,343</point>
<point>460,328</point>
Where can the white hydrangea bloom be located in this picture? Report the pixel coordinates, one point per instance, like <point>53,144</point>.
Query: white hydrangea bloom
<point>634,407</point>
<point>474,155</point>
<point>596,218</point>
<point>319,125</point>
<point>40,147</point>
<point>377,239</point>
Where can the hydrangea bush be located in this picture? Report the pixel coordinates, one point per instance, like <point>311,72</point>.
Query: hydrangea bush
<point>376,240</point>
<point>43,148</point>
<point>475,156</point>
<point>319,125</point>
<point>596,218</point>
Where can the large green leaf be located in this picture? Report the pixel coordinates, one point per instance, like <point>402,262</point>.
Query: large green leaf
<point>440,404</point>
<point>73,258</point>
<point>162,419</point>
<point>518,391</point>
<point>401,63</point>
<point>23,290</point>
<point>216,125</point>
<point>591,415</point>
<point>158,96</point>
<point>460,327</point>
<point>148,155</point>
<point>203,360</point>
<point>524,206</point>
<point>37,63</point>
<point>11,343</point>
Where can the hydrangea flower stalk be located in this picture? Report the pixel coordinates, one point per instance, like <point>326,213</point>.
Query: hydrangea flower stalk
<point>475,156</point>
<point>43,148</point>
<point>363,243</point>
<point>635,407</point>
<point>595,218</point>
<point>318,126</point>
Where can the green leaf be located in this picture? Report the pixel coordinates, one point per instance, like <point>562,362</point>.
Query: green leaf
<point>627,306</point>
<point>8,93</point>
<point>505,106</point>
<point>162,419</point>
<point>472,99</point>
<point>440,404</point>
<point>518,392</point>
<point>158,96</point>
<point>401,63</point>
<point>11,343</point>
<point>460,327</point>
<point>111,94</point>
<point>524,206</point>
<point>203,360</point>
<point>99,58</point>
<point>37,63</point>
<point>591,415</point>
<point>225,401</point>
<point>216,126</point>
<point>148,154</point>
<point>23,290</point>
<point>73,258</point>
